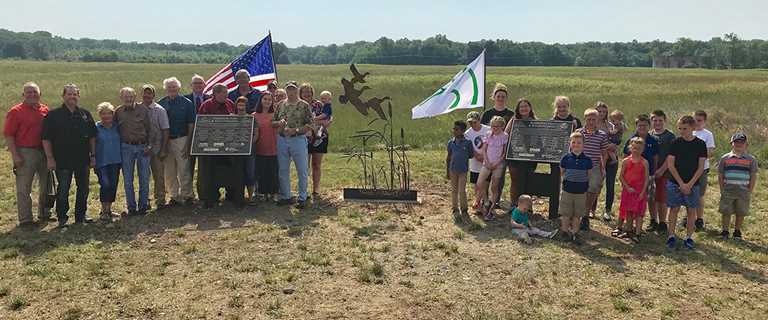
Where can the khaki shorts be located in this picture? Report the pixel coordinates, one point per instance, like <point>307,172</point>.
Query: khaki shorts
<point>735,205</point>
<point>572,205</point>
<point>595,180</point>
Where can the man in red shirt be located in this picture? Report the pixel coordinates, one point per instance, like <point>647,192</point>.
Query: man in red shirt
<point>23,128</point>
<point>220,171</point>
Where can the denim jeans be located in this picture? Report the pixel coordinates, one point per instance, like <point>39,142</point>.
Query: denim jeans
<point>109,178</point>
<point>133,157</point>
<point>64,177</point>
<point>610,185</point>
<point>292,148</point>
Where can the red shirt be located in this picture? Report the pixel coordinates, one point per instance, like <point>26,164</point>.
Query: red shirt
<point>267,144</point>
<point>210,106</point>
<point>24,123</point>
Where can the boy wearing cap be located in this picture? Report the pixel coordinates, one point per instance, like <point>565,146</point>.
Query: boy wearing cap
<point>475,134</point>
<point>737,174</point>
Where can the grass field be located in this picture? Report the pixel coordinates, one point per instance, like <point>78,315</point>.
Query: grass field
<point>357,261</point>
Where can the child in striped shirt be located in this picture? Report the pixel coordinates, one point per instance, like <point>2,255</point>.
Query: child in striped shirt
<point>737,174</point>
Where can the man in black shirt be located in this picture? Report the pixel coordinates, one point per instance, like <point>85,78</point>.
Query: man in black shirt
<point>69,140</point>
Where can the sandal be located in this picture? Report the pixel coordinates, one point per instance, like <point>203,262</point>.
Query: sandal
<point>616,232</point>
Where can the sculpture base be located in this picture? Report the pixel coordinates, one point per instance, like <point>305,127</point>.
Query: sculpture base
<point>380,195</point>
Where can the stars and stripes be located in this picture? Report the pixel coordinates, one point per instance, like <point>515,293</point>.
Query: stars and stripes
<point>259,62</point>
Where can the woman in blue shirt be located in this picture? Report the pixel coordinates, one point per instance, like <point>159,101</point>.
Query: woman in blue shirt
<point>108,158</point>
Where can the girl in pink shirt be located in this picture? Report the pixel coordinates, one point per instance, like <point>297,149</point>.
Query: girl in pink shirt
<point>493,164</point>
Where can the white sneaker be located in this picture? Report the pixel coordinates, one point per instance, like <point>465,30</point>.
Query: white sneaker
<point>607,216</point>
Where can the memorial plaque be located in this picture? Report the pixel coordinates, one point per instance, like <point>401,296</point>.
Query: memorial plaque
<point>539,140</point>
<point>230,135</point>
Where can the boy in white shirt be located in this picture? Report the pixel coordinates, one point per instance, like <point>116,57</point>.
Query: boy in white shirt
<point>702,133</point>
<point>475,134</point>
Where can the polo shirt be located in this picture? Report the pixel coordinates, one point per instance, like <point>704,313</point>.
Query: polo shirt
<point>594,143</point>
<point>253,98</point>
<point>460,151</point>
<point>211,106</point>
<point>24,123</point>
<point>69,133</point>
<point>737,171</point>
<point>651,150</point>
<point>181,113</point>
<point>576,177</point>
<point>133,122</point>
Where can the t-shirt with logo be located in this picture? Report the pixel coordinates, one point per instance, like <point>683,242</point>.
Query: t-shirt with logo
<point>737,171</point>
<point>490,113</point>
<point>665,140</point>
<point>476,138</point>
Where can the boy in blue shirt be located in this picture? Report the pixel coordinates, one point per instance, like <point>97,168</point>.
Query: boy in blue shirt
<point>520,222</point>
<point>460,150</point>
<point>574,168</point>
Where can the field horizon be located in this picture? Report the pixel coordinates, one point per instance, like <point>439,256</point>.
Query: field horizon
<point>340,260</point>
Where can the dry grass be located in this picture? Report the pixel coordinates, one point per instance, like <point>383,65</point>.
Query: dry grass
<point>357,261</point>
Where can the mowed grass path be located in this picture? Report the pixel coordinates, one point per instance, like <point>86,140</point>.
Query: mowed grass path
<point>356,261</point>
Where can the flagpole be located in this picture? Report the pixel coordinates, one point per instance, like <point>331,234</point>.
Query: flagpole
<point>485,71</point>
<point>272,49</point>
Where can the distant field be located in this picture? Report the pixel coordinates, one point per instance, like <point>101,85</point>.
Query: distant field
<point>337,260</point>
<point>736,99</point>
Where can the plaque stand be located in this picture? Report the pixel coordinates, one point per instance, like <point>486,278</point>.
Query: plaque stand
<point>545,185</point>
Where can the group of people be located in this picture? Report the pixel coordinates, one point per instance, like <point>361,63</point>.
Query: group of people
<point>659,172</point>
<point>143,137</point>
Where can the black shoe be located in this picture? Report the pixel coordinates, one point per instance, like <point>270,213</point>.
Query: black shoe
<point>141,212</point>
<point>497,206</point>
<point>662,227</point>
<point>653,226</point>
<point>284,202</point>
<point>28,225</point>
<point>131,212</point>
<point>577,240</point>
<point>725,234</point>
<point>584,226</point>
<point>301,204</point>
<point>189,202</point>
<point>737,234</point>
<point>699,223</point>
<point>172,203</point>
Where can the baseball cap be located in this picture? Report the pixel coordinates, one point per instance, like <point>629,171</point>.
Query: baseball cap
<point>473,116</point>
<point>739,136</point>
<point>291,84</point>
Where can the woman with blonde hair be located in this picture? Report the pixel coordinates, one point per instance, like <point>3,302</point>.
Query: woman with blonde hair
<point>108,158</point>
<point>500,109</point>
<point>562,112</point>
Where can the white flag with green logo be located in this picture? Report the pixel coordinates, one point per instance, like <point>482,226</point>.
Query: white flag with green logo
<point>465,91</point>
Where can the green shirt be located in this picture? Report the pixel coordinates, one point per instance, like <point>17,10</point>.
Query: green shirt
<point>520,217</point>
<point>296,114</point>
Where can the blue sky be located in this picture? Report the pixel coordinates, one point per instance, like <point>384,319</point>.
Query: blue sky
<point>313,22</point>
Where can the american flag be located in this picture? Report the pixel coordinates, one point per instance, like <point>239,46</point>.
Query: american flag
<point>257,60</point>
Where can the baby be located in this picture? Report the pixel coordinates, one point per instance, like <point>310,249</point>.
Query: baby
<point>322,117</point>
<point>616,131</point>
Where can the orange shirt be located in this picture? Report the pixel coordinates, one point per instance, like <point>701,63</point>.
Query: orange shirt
<point>24,123</point>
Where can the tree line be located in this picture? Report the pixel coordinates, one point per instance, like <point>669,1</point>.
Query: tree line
<point>724,52</point>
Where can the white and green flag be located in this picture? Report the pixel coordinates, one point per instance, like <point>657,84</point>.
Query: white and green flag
<point>465,91</point>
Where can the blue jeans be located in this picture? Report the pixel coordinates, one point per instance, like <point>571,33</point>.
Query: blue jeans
<point>64,177</point>
<point>133,156</point>
<point>610,185</point>
<point>109,177</point>
<point>293,148</point>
